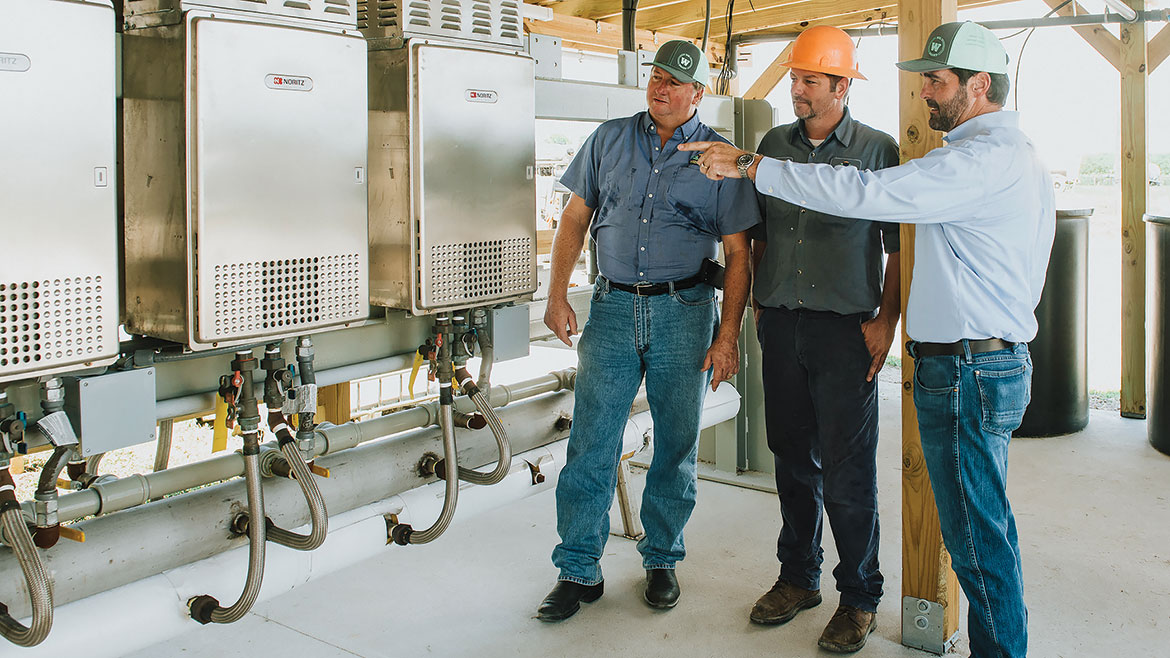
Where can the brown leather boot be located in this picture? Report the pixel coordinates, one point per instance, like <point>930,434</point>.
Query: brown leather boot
<point>847,630</point>
<point>782,602</point>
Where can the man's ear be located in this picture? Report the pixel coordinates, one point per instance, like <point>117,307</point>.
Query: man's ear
<point>980,84</point>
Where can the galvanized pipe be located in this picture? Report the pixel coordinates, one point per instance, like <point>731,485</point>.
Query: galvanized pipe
<point>137,489</point>
<point>149,539</point>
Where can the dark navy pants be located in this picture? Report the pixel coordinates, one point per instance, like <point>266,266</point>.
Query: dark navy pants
<point>822,428</point>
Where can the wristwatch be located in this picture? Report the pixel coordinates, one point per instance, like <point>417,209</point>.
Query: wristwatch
<point>743,162</point>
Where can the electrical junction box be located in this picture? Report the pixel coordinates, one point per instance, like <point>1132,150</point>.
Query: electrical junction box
<point>112,411</point>
<point>510,333</point>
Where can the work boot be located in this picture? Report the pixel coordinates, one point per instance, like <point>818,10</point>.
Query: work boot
<point>847,630</point>
<point>565,600</point>
<point>782,602</point>
<point>662,589</point>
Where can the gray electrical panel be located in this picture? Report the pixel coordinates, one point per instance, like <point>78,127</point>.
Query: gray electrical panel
<point>111,411</point>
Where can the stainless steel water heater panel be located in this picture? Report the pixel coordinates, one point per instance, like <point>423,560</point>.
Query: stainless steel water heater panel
<point>58,219</point>
<point>245,179</point>
<point>452,189</point>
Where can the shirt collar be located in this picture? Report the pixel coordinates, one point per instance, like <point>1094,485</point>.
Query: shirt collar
<point>982,123</point>
<point>688,129</point>
<point>843,132</point>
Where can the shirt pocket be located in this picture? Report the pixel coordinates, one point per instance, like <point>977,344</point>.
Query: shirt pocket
<point>692,195</point>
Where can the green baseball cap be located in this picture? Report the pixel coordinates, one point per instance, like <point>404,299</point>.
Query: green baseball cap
<point>960,45</point>
<point>683,60</point>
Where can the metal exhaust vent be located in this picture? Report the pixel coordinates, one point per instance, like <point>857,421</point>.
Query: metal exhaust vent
<point>53,321</point>
<point>275,296</point>
<point>489,21</point>
<point>152,13</point>
<point>473,272</point>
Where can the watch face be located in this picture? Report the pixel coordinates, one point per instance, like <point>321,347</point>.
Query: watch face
<point>745,159</point>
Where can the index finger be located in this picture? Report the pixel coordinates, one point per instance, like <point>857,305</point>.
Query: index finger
<point>695,146</point>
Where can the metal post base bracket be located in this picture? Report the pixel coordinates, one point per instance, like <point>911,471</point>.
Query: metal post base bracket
<point>922,626</point>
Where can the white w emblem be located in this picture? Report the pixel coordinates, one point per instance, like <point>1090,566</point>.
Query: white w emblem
<point>684,60</point>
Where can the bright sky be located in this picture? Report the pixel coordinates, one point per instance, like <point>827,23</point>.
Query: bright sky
<point>1069,96</point>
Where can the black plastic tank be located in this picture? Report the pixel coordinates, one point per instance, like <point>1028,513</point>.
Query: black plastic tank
<point>1158,326</point>
<point>1060,351</point>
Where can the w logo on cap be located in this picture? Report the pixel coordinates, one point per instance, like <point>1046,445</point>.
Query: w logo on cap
<point>936,46</point>
<point>684,60</point>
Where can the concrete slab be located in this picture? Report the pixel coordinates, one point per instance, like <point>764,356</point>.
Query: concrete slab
<point>1092,510</point>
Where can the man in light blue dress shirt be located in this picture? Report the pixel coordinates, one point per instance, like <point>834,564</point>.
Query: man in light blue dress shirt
<point>985,213</point>
<point>655,218</point>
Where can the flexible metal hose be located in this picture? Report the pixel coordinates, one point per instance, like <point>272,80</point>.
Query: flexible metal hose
<point>162,452</point>
<point>256,540</point>
<point>451,471</point>
<point>39,587</point>
<point>504,463</point>
<point>300,472</point>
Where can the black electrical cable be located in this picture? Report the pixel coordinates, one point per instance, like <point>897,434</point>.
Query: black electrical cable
<point>723,85</point>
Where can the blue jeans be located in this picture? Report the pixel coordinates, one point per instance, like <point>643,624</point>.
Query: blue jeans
<point>663,338</point>
<point>968,406</point>
<point>822,424</point>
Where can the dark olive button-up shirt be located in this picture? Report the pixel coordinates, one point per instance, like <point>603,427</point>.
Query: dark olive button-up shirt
<point>818,261</point>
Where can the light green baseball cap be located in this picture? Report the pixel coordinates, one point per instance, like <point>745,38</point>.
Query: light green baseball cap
<point>683,60</point>
<point>960,45</point>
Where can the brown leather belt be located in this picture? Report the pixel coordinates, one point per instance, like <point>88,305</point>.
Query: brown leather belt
<point>956,348</point>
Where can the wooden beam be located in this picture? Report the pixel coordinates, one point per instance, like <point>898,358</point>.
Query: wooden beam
<point>333,404</point>
<point>1159,48</point>
<point>926,565</point>
<point>770,77</point>
<point>1134,141</point>
<point>604,37</point>
<point>1101,39</point>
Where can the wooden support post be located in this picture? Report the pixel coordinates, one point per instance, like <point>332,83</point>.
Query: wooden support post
<point>333,404</point>
<point>926,566</point>
<point>1134,140</point>
<point>770,77</point>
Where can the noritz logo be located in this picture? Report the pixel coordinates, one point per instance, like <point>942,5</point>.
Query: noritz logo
<point>288,82</point>
<point>936,46</point>
<point>684,60</point>
<point>14,62</point>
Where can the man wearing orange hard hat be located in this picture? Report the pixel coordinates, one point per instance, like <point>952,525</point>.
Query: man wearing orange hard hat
<point>818,280</point>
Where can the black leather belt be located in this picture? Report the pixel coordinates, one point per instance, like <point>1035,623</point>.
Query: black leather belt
<point>651,289</point>
<point>956,348</point>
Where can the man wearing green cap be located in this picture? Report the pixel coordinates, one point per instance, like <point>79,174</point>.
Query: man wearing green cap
<point>985,212</point>
<point>655,218</point>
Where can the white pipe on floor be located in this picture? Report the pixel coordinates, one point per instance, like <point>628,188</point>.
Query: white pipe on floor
<point>153,610</point>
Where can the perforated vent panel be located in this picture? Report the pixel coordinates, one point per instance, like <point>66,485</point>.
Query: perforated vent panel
<point>53,321</point>
<point>494,21</point>
<point>148,13</point>
<point>474,271</point>
<point>272,297</point>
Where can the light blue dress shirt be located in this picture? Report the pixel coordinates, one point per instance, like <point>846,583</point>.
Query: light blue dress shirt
<point>986,214</point>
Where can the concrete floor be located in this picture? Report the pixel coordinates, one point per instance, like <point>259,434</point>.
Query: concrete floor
<point>1093,515</point>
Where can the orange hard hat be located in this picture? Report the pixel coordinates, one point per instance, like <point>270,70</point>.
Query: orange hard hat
<point>825,49</point>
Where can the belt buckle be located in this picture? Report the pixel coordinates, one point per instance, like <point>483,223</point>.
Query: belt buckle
<point>638,289</point>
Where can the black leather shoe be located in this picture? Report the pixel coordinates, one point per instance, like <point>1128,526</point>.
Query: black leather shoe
<point>565,600</point>
<point>661,588</point>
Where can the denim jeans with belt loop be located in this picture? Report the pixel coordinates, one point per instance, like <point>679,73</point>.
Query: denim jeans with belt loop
<point>968,406</point>
<point>663,338</point>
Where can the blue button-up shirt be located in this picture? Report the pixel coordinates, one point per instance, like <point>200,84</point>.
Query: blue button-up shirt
<point>656,215</point>
<point>986,213</point>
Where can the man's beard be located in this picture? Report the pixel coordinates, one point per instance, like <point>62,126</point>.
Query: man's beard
<point>948,111</point>
<point>805,107</point>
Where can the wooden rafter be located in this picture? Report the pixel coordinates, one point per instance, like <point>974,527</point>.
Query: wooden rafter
<point>1101,39</point>
<point>770,77</point>
<point>1159,47</point>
